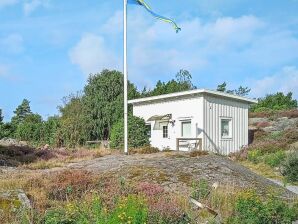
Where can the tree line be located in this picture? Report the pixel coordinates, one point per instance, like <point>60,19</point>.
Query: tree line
<point>96,112</point>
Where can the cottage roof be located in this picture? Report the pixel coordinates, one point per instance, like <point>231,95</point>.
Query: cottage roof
<point>193,93</point>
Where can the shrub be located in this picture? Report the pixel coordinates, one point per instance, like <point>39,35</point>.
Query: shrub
<point>30,129</point>
<point>275,102</point>
<point>137,133</point>
<point>274,159</point>
<point>145,150</point>
<point>290,166</point>
<point>250,208</point>
<point>254,155</point>
<point>198,153</point>
<point>130,209</point>
<point>268,146</point>
<point>291,135</point>
<point>70,184</point>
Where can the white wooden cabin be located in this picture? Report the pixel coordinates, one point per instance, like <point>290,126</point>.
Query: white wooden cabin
<point>196,119</point>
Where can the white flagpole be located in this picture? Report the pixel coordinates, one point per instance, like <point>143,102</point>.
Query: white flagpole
<point>125,75</point>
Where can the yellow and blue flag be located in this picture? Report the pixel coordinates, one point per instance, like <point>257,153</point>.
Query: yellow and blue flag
<point>147,7</point>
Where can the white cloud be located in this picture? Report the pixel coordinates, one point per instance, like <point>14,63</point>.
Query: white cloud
<point>12,43</point>
<point>285,81</point>
<point>157,49</point>
<point>114,24</point>
<point>4,3</point>
<point>31,6</point>
<point>225,49</point>
<point>92,54</point>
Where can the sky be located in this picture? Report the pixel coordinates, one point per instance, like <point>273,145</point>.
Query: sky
<point>49,47</point>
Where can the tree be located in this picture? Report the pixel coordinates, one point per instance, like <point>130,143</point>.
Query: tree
<point>183,82</point>
<point>275,102</point>
<point>50,132</point>
<point>72,128</point>
<point>241,91</point>
<point>1,117</point>
<point>30,129</point>
<point>222,87</point>
<point>137,133</point>
<point>21,112</point>
<point>103,101</point>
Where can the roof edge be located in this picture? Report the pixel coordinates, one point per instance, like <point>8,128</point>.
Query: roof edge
<point>192,92</point>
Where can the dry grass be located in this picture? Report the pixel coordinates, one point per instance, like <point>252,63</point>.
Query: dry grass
<point>144,150</point>
<point>63,157</point>
<point>263,170</point>
<point>198,153</point>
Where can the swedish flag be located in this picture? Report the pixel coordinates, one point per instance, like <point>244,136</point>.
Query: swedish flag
<point>147,7</point>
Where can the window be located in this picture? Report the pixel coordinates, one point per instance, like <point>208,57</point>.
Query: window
<point>186,129</point>
<point>226,126</point>
<point>164,131</point>
<point>148,130</point>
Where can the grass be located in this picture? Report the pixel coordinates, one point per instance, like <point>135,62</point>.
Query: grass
<point>263,170</point>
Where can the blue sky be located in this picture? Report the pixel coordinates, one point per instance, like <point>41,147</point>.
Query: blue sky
<point>48,47</point>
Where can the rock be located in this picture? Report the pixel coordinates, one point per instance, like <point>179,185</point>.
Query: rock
<point>279,124</point>
<point>215,185</point>
<point>253,121</point>
<point>12,142</point>
<point>15,200</point>
<point>46,147</point>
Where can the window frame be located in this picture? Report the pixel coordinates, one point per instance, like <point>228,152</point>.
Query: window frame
<point>230,120</point>
<point>185,121</point>
<point>149,130</point>
<point>165,133</point>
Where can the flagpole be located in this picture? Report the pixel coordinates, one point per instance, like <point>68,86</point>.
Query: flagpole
<point>125,74</point>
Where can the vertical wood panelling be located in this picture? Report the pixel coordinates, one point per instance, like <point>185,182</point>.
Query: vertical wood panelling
<point>214,109</point>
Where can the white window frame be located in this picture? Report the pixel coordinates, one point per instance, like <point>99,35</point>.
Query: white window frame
<point>230,136</point>
<point>185,121</point>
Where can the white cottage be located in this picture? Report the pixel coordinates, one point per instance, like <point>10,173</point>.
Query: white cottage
<point>196,119</point>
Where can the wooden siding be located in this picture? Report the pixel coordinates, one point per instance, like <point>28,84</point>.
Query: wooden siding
<point>214,110</point>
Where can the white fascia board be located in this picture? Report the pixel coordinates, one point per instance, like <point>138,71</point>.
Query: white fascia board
<point>192,92</point>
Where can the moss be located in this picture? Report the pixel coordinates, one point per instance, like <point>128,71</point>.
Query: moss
<point>9,201</point>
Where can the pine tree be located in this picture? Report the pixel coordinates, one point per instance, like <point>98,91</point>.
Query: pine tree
<point>21,112</point>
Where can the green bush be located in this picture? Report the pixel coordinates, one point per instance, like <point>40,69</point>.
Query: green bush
<point>254,155</point>
<point>30,128</point>
<point>250,208</point>
<point>131,209</point>
<point>137,133</point>
<point>290,166</point>
<point>274,159</point>
<point>275,102</point>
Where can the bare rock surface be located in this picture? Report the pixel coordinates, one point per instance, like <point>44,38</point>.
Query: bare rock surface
<point>175,171</point>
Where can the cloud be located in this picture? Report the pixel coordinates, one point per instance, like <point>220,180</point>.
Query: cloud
<point>13,43</point>
<point>114,24</point>
<point>30,6</point>
<point>92,54</point>
<point>225,49</point>
<point>159,50</point>
<point>4,3</point>
<point>285,80</point>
